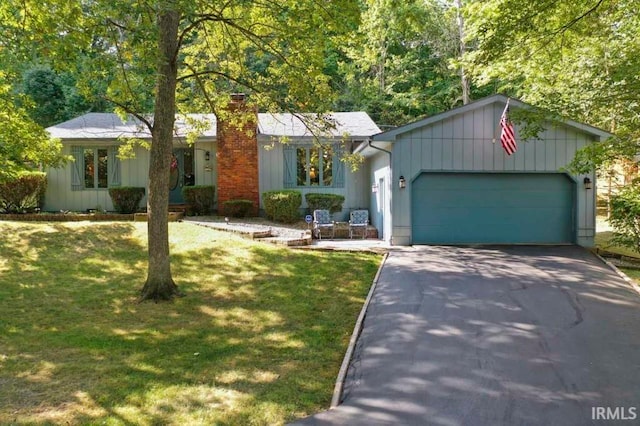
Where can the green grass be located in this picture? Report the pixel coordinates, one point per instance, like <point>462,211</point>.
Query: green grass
<point>634,274</point>
<point>604,233</point>
<point>258,339</point>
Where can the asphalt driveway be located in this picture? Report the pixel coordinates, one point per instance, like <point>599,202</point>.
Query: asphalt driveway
<point>490,336</point>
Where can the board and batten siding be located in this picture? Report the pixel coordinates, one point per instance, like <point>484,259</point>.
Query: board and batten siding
<point>272,177</point>
<point>469,142</point>
<point>134,172</point>
<point>380,205</point>
<point>60,196</point>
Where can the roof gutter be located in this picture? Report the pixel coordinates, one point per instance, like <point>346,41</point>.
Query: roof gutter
<point>380,149</point>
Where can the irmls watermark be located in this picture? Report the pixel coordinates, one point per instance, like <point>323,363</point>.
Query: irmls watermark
<point>614,413</point>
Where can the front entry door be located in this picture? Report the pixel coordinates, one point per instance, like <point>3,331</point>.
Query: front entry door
<point>182,174</point>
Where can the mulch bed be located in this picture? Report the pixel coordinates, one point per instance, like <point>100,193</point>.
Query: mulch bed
<point>66,217</point>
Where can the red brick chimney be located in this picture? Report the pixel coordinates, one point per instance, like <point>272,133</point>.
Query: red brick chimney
<point>237,154</point>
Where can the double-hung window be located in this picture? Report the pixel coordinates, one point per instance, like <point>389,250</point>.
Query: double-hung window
<point>94,168</point>
<point>313,165</point>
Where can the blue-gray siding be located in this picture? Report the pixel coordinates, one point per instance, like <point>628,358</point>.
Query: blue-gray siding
<point>354,188</point>
<point>464,142</point>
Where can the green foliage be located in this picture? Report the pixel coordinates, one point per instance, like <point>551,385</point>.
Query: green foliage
<point>625,216</point>
<point>331,202</point>
<point>43,87</point>
<point>23,143</point>
<point>126,199</point>
<point>282,206</point>
<point>200,197</point>
<point>238,208</point>
<point>573,58</point>
<point>402,62</point>
<point>22,193</point>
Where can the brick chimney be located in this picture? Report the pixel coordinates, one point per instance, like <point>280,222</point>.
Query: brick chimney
<point>237,153</point>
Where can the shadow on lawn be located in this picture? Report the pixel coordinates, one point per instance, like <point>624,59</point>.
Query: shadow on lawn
<point>255,340</point>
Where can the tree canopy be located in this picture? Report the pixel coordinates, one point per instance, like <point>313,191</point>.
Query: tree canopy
<point>24,145</point>
<point>578,59</point>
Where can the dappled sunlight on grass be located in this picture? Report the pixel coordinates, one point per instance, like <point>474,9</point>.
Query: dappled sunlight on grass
<point>258,339</point>
<point>604,234</point>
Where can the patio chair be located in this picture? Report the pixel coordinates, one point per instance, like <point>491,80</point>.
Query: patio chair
<point>358,219</point>
<point>322,223</point>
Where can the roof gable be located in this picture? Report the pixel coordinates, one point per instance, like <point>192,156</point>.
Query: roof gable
<point>391,135</point>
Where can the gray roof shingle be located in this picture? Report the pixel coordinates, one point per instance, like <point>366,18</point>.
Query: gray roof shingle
<point>96,125</point>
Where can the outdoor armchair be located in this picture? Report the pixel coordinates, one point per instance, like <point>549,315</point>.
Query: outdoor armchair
<point>322,223</point>
<point>358,219</point>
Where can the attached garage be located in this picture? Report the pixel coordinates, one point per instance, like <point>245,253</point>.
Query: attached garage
<point>449,180</point>
<point>493,208</point>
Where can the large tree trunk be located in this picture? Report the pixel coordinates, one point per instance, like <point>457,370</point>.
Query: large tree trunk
<point>160,284</point>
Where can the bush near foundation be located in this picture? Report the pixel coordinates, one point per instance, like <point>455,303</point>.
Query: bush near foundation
<point>22,193</point>
<point>126,199</point>
<point>200,197</point>
<point>238,208</point>
<point>331,202</point>
<point>282,206</point>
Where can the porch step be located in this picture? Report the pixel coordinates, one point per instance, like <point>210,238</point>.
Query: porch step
<point>173,217</point>
<point>180,208</point>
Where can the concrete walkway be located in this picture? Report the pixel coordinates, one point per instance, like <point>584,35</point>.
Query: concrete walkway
<point>494,336</point>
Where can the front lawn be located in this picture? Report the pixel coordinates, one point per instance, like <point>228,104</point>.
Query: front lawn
<point>258,339</point>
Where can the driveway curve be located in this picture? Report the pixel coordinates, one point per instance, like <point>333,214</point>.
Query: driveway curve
<point>495,336</point>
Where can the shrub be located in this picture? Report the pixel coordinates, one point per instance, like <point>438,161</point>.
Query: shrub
<point>331,202</point>
<point>200,197</point>
<point>282,206</point>
<point>23,193</point>
<point>238,208</point>
<point>625,216</point>
<point>126,199</point>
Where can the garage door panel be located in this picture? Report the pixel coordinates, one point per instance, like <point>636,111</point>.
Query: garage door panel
<point>456,208</point>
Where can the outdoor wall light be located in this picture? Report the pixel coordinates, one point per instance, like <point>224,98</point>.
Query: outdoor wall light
<point>587,183</point>
<point>207,156</point>
<point>374,188</point>
<point>402,183</point>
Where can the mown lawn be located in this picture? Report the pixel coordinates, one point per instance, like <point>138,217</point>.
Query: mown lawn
<point>258,339</point>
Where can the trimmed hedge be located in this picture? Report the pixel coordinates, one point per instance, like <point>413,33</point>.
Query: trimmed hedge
<point>331,202</point>
<point>282,206</point>
<point>126,199</point>
<point>200,197</point>
<point>238,208</point>
<point>23,193</point>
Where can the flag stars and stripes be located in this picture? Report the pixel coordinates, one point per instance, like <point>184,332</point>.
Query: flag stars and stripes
<point>507,133</point>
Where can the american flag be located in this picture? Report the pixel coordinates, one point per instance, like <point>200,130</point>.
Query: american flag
<point>507,135</point>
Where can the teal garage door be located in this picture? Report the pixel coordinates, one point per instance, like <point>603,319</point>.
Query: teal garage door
<point>492,208</point>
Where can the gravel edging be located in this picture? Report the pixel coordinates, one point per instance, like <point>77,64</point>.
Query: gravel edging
<point>621,274</point>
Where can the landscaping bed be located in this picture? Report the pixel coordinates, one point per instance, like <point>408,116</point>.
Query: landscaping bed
<point>66,217</point>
